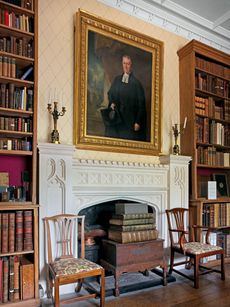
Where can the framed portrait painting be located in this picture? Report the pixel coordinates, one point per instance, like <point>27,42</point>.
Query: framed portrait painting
<point>118,79</point>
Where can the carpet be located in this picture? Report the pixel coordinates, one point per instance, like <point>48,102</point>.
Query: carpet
<point>128,282</point>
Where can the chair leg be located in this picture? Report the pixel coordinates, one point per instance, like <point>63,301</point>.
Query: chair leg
<point>196,273</point>
<point>79,285</point>
<point>171,261</point>
<point>222,267</point>
<point>49,283</point>
<point>188,265</point>
<point>56,293</point>
<point>102,298</point>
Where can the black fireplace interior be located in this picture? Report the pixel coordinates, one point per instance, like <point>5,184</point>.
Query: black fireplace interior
<point>96,226</point>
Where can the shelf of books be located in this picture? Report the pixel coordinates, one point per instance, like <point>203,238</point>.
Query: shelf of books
<point>18,141</point>
<point>205,101</point>
<point>214,214</point>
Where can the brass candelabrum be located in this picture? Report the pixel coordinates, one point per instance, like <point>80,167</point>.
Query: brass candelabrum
<point>176,133</point>
<point>54,112</point>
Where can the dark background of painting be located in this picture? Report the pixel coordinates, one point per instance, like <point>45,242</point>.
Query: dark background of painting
<point>104,64</point>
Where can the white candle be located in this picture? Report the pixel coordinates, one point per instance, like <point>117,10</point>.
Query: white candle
<point>49,97</point>
<point>185,122</point>
<point>55,95</point>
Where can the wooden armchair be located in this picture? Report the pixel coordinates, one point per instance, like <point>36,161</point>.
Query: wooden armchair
<point>183,242</point>
<point>62,267</point>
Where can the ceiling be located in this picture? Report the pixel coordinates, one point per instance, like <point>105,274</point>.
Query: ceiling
<point>205,20</point>
<point>212,14</point>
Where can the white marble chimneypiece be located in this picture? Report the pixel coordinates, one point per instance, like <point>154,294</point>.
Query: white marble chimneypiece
<point>68,185</point>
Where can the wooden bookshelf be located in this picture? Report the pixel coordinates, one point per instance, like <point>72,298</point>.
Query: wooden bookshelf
<point>18,144</point>
<point>205,100</point>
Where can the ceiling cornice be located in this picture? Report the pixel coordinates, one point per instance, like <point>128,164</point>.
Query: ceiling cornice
<point>173,18</point>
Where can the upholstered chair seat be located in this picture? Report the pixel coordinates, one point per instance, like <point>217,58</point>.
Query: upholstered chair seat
<point>198,248</point>
<point>73,266</point>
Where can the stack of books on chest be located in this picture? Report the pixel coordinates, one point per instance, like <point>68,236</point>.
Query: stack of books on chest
<point>132,223</point>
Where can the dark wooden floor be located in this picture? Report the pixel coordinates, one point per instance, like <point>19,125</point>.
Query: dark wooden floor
<point>213,292</point>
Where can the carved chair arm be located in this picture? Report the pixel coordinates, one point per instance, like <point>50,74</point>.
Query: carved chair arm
<point>208,229</point>
<point>182,238</point>
<point>178,230</point>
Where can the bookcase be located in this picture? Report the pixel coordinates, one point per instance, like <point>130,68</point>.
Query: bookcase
<point>18,152</point>
<point>205,101</point>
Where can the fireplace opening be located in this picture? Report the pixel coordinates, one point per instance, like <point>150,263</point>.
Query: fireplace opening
<point>97,224</point>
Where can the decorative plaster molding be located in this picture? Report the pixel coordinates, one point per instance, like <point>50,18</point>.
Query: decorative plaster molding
<point>58,149</point>
<point>176,20</point>
<point>100,163</point>
<point>179,176</point>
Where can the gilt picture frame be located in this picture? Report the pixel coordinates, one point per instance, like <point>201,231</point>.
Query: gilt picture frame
<point>101,47</point>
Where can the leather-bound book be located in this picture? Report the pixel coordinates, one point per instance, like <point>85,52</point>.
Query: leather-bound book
<point>26,279</point>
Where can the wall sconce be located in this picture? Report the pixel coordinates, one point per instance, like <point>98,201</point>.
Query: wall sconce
<point>54,112</point>
<point>176,133</point>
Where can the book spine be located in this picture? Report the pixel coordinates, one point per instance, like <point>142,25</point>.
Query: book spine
<point>131,222</point>
<point>134,236</point>
<point>134,216</point>
<point>11,232</point>
<point>1,280</point>
<point>0,233</point>
<point>28,230</point>
<point>5,279</point>
<point>132,227</point>
<point>5,229</point>
<point>26,281</point>
<point>11,278</point>
<point>16,278</point>
<point>19,231</point>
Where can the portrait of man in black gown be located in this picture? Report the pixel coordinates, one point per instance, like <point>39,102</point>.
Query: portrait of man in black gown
<point>127,102</point>
<point>119,90</point>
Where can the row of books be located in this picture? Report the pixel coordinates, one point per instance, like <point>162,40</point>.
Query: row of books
<point>16,231</point>
<point>202,130</point>
<point>18,21</point>
<point>16,124</point>
<point>15,144</point>
<point>210,156</point>
<point>16,279</point>
<point>132,223</point>
<point>211,132</point>
<point>216,69</point>
<point>216,215</point>
<point>219,134</point>
<point>221,239</point>
<point>18,46</point>
<point>27,4</point>
<point>212,84</point>
<point>211,108</point>
<point>7,67</point>
<point>19,98</point>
